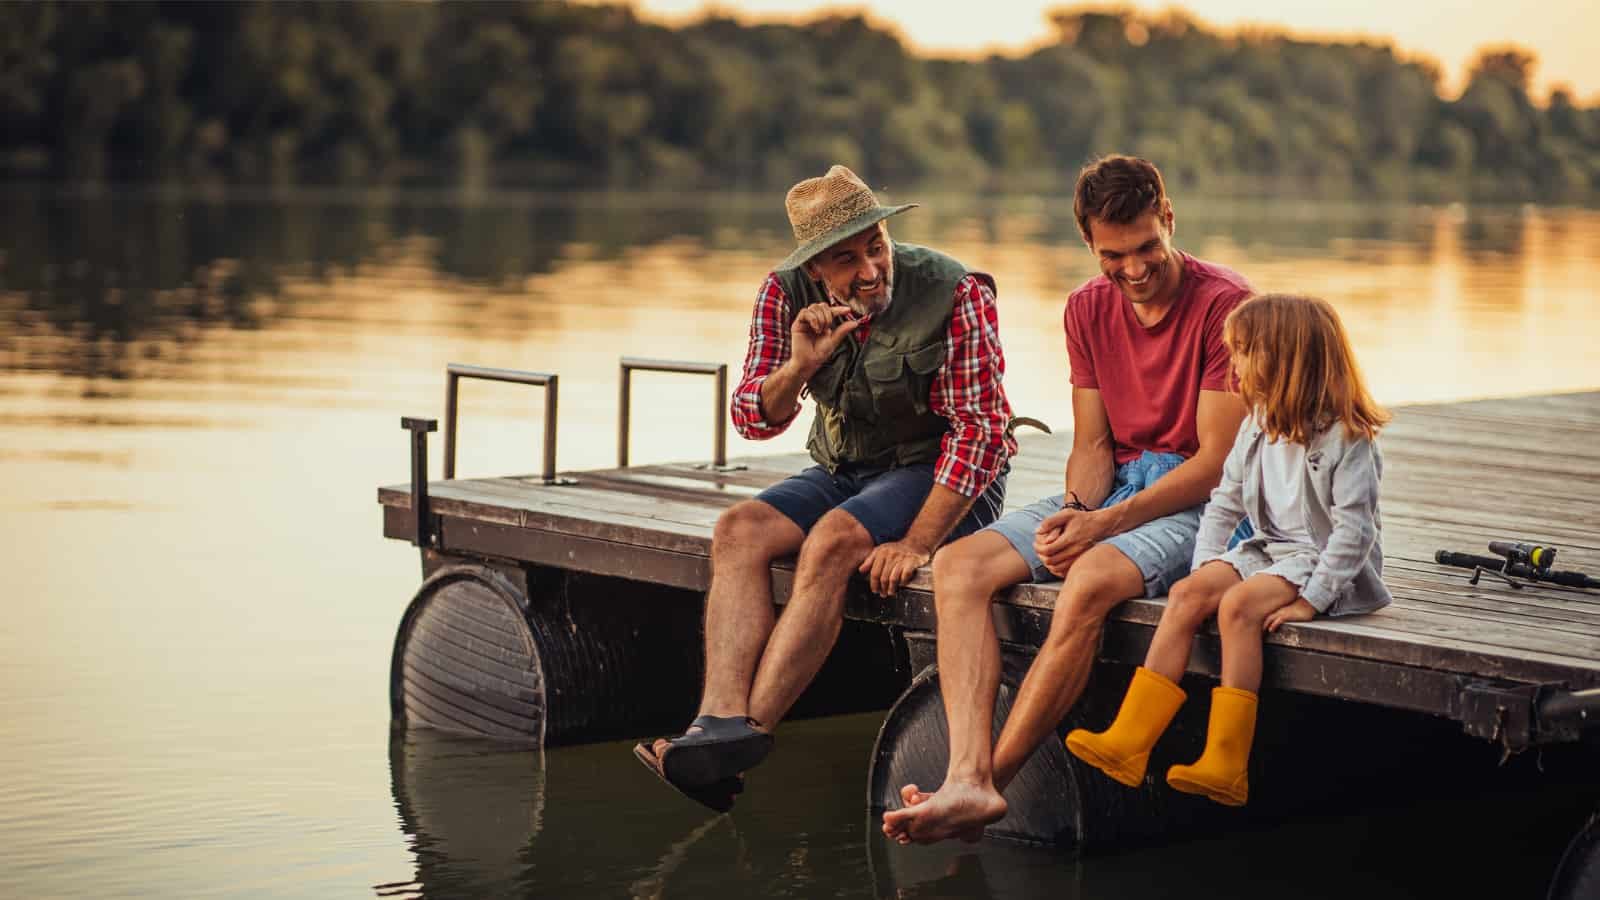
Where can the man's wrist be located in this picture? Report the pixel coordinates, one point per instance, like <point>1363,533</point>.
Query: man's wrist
<point>797,372</point>
<point>1110,519</point>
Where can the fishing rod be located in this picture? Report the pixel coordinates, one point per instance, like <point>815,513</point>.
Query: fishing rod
<point>1516,559</point>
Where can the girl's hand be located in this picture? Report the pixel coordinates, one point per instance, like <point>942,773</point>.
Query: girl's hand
<point>1298,611</point>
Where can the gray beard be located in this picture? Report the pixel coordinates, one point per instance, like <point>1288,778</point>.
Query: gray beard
<point>863,307</point>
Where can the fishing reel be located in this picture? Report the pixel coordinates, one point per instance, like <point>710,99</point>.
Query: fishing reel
<point>1519,553</point>
<point>1519,559</point>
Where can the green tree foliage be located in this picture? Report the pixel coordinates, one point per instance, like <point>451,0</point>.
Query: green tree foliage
<point>545,92</point>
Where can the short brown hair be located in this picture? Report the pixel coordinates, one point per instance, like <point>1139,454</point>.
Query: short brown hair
<point>1297,371</point>
<point>1117,189</point>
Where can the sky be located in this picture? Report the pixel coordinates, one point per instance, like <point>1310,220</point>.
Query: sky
<point>1560,32</point>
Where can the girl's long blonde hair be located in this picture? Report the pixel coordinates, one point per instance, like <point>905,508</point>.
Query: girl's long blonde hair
<point>1296,370</point>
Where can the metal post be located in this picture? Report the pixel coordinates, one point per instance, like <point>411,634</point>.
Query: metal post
<point>419,429</point>
<point>624,398</point>
<point>719,433</point>
<point>551,387</point>
<point>451,383</point>
<point>719,391</point>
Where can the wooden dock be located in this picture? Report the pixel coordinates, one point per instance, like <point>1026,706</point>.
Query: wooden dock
<point>567,608</point>
<point>1456,476</point>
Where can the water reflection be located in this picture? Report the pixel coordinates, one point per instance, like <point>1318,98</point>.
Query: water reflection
<point>472,810</point>
<point>486,820</point>
<point>124,285</point>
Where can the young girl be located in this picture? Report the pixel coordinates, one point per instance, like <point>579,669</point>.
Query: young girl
<point>1304,468</point>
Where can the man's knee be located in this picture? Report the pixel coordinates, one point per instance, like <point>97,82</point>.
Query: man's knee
<point>1096,583</point>
<point>974,569</point>
<point>755,529</point>
<point>837,539</point>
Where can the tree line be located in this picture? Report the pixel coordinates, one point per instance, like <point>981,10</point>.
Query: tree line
<point>545,93</point>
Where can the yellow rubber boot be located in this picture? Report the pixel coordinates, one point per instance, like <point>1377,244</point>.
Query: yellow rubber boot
<point>1222,771</point>
<point>1123,750</point>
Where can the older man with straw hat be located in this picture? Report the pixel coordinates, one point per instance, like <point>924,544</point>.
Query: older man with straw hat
<point>899,346</point>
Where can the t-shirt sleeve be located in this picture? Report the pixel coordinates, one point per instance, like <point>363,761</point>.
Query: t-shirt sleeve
<point>1217,374</point>
<point>1078,356</point>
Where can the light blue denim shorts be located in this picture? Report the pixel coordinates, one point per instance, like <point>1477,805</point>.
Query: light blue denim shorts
<point>1161,548</point>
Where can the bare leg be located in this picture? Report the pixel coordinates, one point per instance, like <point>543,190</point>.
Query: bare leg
<point>810,623</point>
<point>1191,602</point>
<point>966,576</point>
<point>1097,582</point>
<point>1241,617</point>
<point>748,537</point>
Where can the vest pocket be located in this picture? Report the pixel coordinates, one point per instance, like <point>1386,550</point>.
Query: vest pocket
<point>827,382</point>
<point>900,382</point>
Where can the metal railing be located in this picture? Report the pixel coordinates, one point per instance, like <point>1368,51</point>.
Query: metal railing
<point>719,392</point>
<point>454,372</point>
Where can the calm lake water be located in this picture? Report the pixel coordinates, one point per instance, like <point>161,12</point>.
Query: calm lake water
<point>200,393</point>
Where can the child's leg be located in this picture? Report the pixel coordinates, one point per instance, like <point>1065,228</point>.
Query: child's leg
<point>1123,750</point>
<point>1222,771</point>
<point>1190,603</point>
<point>1240,618</point>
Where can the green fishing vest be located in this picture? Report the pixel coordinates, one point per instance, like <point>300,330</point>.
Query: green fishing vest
<point>872,396</point>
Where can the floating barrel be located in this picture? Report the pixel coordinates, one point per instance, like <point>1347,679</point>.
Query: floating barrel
<point>1055,799</point>
<point>571,658</point>
<point>1312,754</point>
<point>1578,875</point>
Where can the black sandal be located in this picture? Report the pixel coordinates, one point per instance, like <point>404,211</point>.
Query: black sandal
<point>718,796</point>
<point>723,747</point>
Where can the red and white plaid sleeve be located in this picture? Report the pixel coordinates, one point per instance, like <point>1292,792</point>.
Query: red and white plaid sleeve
<point>968,391</point>
<point>769,349</point>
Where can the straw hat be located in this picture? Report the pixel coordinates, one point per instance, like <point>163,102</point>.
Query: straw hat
<point>824,211</point>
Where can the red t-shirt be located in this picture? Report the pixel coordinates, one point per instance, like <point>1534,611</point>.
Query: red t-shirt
<point>1151,378</point>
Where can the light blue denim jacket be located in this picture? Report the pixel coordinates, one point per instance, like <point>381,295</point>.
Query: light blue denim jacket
<point>1339,489</point>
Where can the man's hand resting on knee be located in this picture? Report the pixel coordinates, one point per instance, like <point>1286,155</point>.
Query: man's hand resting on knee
<point>891,565</point>
<point>1066,535</point>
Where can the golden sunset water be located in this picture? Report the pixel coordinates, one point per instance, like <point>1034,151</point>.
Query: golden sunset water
<point>200,393</point>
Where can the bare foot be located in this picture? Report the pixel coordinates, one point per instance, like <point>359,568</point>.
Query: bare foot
<point>958,809</point>
<point>911,795</point>
<point>893,828</point>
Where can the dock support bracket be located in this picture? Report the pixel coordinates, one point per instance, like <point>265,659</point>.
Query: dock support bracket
<point>1524,715</point>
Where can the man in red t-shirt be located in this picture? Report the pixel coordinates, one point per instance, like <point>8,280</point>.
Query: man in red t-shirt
<point>1154,417</point>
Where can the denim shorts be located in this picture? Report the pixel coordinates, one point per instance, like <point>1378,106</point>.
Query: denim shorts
<point>1161,548</point>
<point>884,501</point>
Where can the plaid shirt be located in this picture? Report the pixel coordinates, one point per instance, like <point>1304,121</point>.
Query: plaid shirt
<point>966,390</point>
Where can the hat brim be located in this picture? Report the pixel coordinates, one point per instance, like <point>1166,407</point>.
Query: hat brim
<point>854,226</point>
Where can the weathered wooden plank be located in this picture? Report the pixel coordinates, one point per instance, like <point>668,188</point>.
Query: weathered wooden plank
<point>627,558</point>
<point>755,479</point>
<point>1532,603</point>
